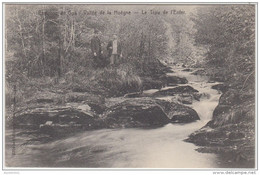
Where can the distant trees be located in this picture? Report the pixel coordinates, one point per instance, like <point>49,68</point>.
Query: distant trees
<point>183,48</point>
<point>228,33</point>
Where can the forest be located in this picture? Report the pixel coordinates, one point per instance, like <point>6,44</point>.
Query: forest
<point>53,43</point>
<point>48,61</point>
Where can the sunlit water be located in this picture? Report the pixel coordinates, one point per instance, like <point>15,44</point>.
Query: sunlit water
<point>127,148</point>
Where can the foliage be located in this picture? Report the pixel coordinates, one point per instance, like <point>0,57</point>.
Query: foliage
<point>54,41</point>
<point>228,33</point>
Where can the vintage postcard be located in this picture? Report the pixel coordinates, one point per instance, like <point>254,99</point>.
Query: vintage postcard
<point>134,85</point>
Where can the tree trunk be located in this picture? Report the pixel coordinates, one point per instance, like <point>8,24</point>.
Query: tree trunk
<point>23,43</point>
<point>43,43</point>
<point>61,51</point>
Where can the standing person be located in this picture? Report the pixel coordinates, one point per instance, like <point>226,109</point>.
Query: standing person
<point>96,48</point>
<point>114,50</point>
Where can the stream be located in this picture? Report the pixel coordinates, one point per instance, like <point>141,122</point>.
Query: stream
<point>161,147</point>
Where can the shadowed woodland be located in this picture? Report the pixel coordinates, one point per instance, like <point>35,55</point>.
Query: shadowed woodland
<point>48,60</point>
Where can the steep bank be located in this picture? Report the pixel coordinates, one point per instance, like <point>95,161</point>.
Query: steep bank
<point>231,132</point>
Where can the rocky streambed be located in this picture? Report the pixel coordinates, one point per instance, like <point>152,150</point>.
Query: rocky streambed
<point>83,111</point>
<point>138,130</point>
<point>231,132</point>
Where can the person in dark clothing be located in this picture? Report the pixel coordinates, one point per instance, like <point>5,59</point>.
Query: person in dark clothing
<point>114,50</point>
<point>96,49</point>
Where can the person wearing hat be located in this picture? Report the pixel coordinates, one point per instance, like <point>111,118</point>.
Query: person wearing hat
<point>96,48</point>
<point>114,50</point>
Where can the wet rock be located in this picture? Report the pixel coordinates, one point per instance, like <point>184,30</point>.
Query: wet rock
<point>224,135</point>
<point>177,90</point>
<point>59,121</point>
<point>232,128</point>
<point>36,117</point>
<point>185,98</point>
<point>211,81</point>
<point>201,136</point>
<point>183,114</point>
<point>229,141</point>
<point>225,114</point>
<point>197,96</point>
<point>179,113</point>
<point>233,107</point>
<point>168,70</point>
<point>200,72</point>
<point>200,96</point>
<point>172,84</point>
<point>139,112</point>
<point>221,87</point>
<point>173,80</point>
<point>187,70</point>
<point>221,110</point>
<point>61,130</point>
<point>148,112</point>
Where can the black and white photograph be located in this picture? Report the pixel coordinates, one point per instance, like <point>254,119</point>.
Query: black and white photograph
<point>130,86</point>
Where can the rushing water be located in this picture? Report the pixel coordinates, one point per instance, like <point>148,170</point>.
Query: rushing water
<point>127,148</point>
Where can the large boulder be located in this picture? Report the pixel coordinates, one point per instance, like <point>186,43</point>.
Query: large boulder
<point>176,90</point>
<point>179,113</point>
<point>174,80</point>
<point>57,120</point>
<point>147,112</point>
<point>138,112</point>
